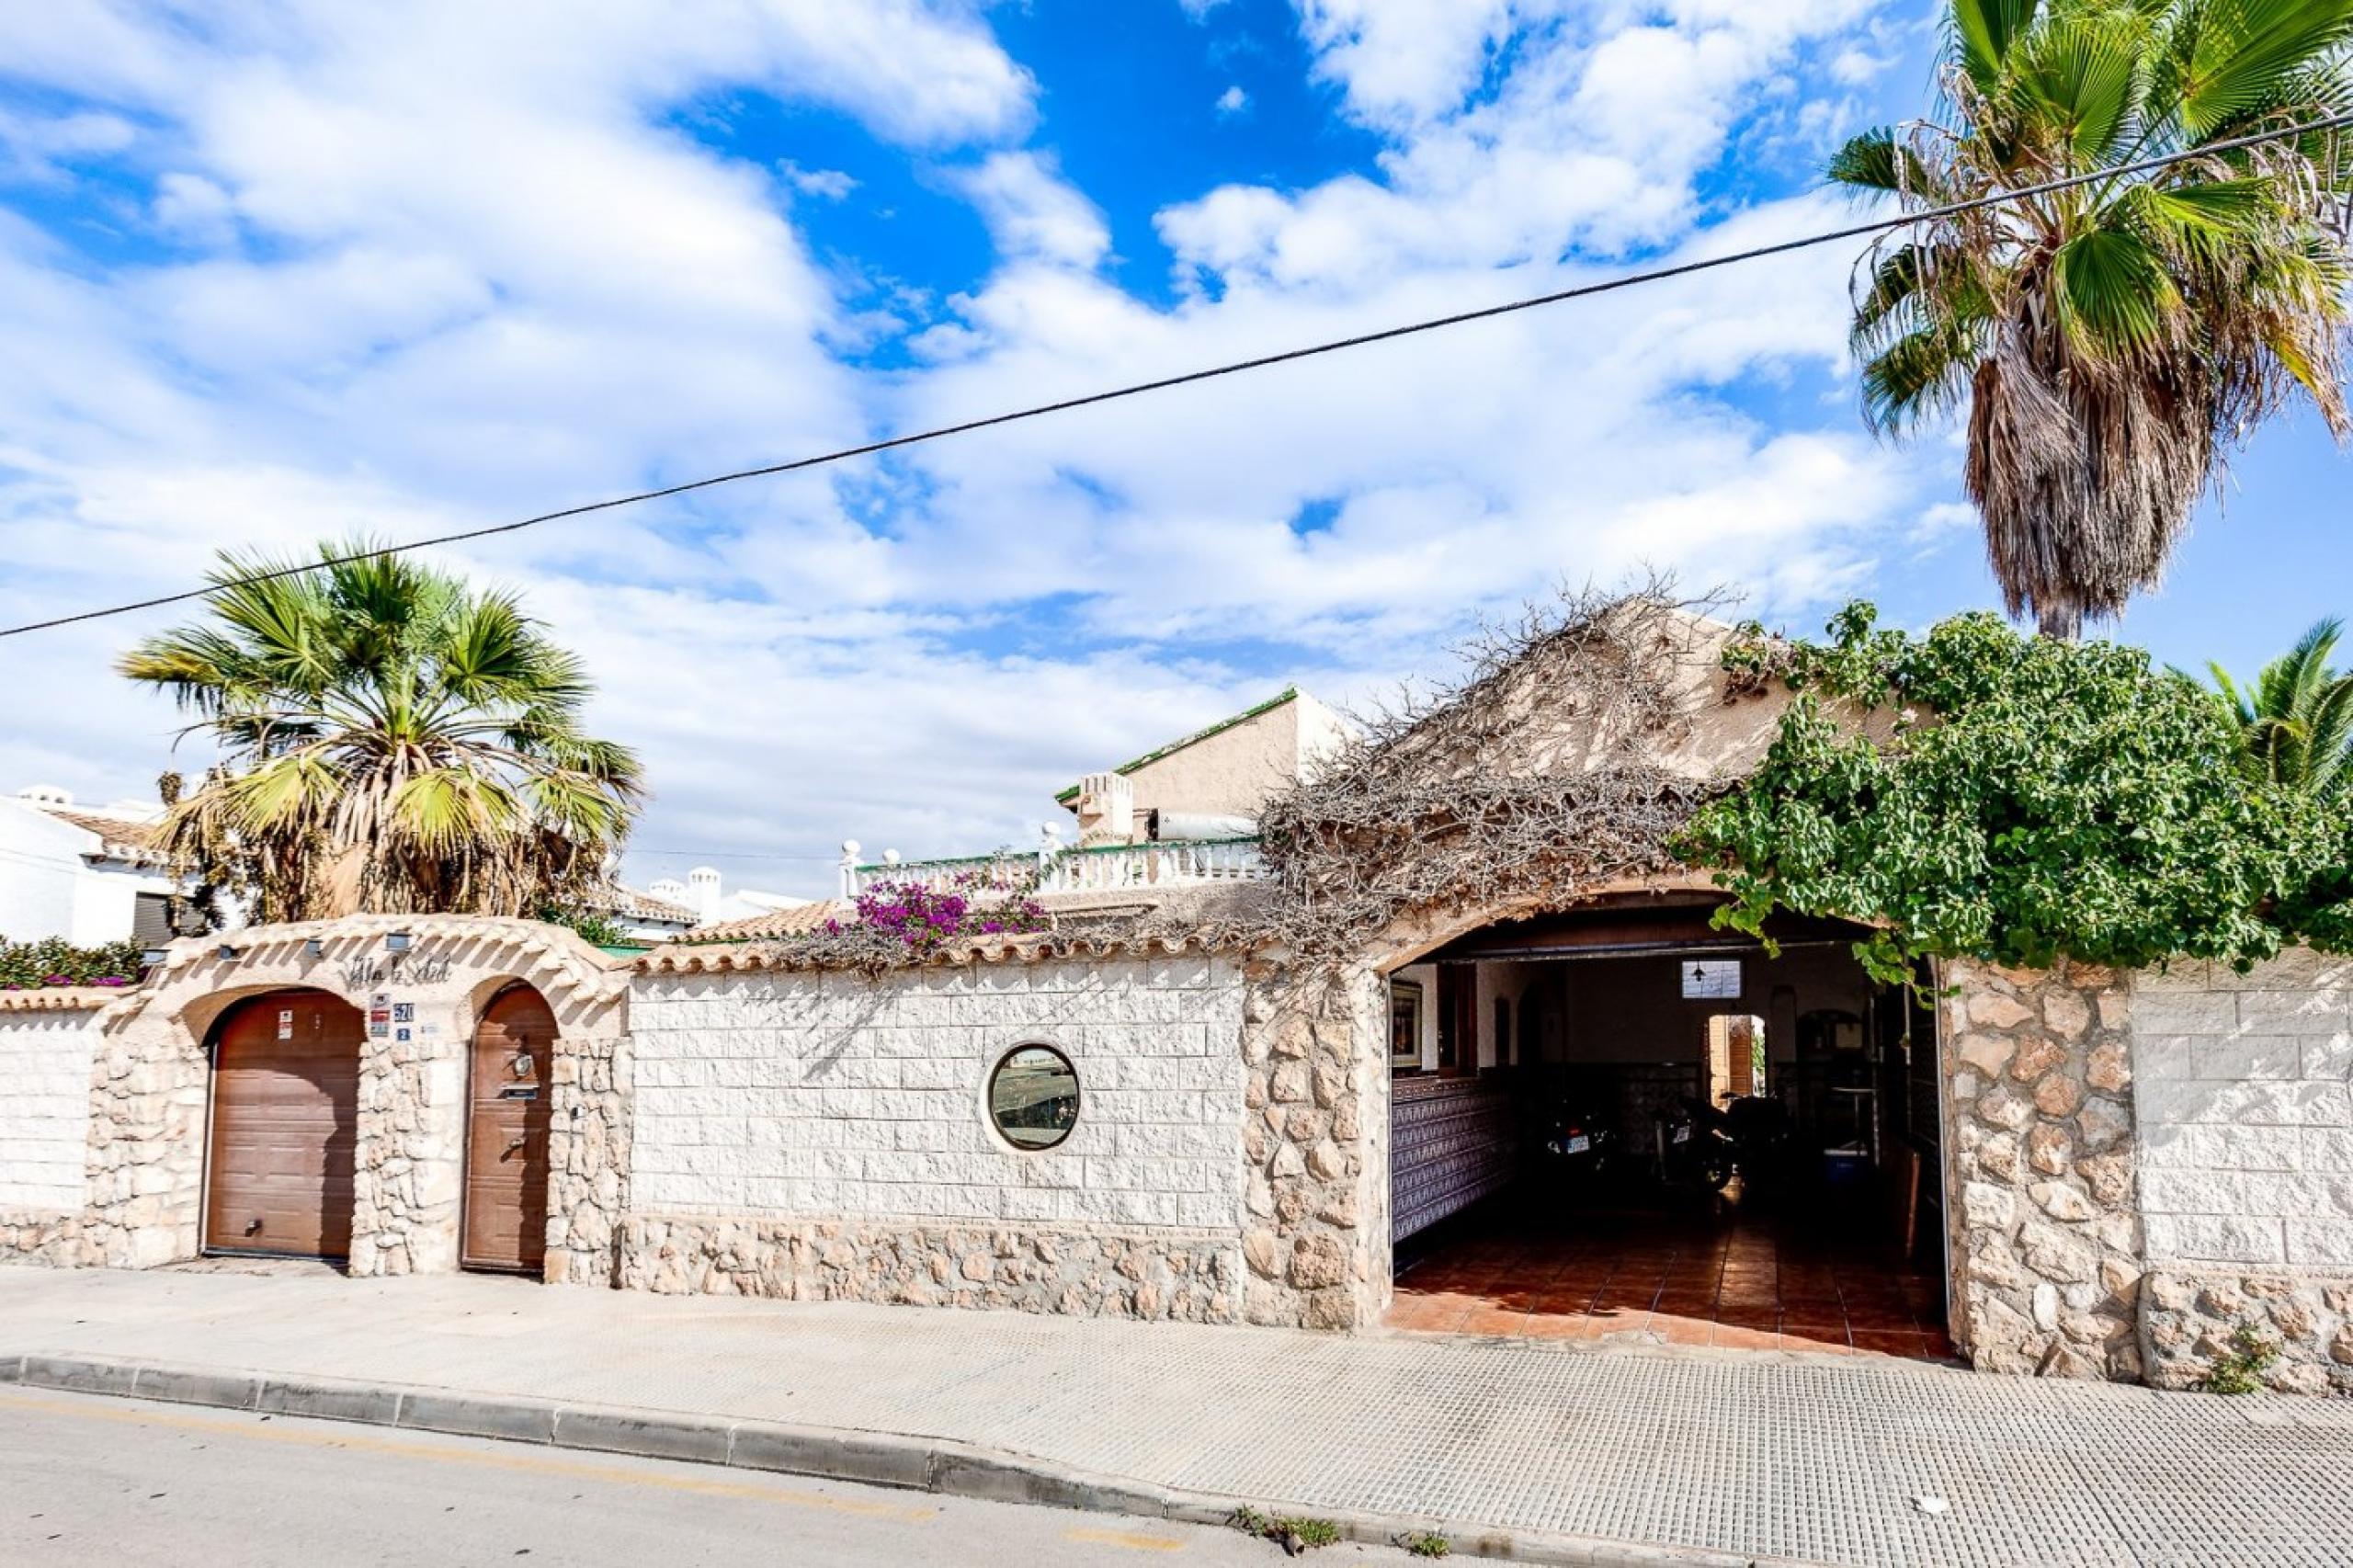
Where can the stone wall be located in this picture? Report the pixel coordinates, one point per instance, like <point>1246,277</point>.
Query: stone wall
<point>2046,1240</point>
<point>2246,1129</point>
<point>146,1159</point>
<point>1316,1143</point>
<point>588,1158</point>
<point>411,1152</point>
<point>148,1081</point>
<point>825,1133</point>
<point>1077,1273</point>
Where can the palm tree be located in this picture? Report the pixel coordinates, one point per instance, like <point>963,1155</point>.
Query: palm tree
<point>389,739</point>
<point>2295,720</point>
<point>2111,341</point>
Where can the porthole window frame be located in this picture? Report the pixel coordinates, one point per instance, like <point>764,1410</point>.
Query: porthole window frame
<point>988,1097</point>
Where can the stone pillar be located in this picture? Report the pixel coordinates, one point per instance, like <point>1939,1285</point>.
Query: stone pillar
<point>411,1155</point>
<point>2046,1229</point>
<point>148,1095</point>
<point>588,1148</point>
<point>1316,1229</point>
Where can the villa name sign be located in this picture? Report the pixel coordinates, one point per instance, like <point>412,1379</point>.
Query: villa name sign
<point>400,969</point>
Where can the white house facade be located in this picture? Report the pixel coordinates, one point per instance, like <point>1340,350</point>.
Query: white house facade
<point>90,877</point>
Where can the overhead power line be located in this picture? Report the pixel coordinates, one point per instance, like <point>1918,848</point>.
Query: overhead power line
<point>1236,366</point>
<point>737,854</point>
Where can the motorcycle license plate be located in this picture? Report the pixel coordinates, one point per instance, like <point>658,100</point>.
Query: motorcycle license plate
<point>1579,1145</point>
<point>1683,1135</point>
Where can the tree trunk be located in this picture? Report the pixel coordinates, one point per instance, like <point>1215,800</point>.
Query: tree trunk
<point>2061,623</point>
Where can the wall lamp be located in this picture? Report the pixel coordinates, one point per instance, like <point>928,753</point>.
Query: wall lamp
<point>314,949</point>
<point>396,942</point>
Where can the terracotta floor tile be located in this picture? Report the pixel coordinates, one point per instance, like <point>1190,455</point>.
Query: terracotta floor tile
<point>1823,1333</point>
<point>1885,1343</point>
<point>1730,1336</point>
<point>1679,1328</point>
<point>1747,1282</point>
<point>1746,1315</point>
<point>1625,1298</point>
<point>1558,1326</point>
<point>1491,1320</point>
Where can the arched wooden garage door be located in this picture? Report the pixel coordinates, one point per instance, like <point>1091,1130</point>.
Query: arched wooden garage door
<point>285,1125</point>
<point>507,1134</point>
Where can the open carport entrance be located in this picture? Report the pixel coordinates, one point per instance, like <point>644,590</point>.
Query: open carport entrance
<point>1619,1121</point>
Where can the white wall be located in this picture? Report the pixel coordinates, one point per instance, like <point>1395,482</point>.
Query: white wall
<point>49,888</point>
<point>830,1097</point>
<point>2244,1112</point>
<point>45,1109</point>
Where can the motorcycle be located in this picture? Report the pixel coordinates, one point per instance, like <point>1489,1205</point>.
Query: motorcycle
<point>1691,1145</point>
<point>1759,1129</point>
<point>1699,1145</point>
<point>1574,1147</point>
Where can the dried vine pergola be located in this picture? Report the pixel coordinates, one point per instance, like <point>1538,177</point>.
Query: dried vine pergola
<point>1526,781</point>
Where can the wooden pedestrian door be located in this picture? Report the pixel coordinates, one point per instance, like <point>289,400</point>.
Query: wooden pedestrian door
<point>285,1125</point>
<point>507,1134</point>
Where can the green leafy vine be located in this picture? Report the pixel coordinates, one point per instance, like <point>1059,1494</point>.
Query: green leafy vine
<point>1974,792</point>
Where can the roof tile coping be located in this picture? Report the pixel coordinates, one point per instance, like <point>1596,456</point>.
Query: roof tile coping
<point>590,968</point>
<point>1033,947</point>
<point>61,998</point>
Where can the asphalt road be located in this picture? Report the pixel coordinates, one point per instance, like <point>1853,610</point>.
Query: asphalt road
<point>92,1482</point>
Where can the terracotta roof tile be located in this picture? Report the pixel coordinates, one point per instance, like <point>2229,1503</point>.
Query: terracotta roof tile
<point>775,922</point>
<point>140,837</point>
<point>619,898</point>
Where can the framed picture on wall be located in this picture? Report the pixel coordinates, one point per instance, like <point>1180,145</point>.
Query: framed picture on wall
<point>1406,1026</point>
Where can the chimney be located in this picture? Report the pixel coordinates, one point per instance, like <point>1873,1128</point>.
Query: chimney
<point>1106,810</point>
<point>702,893</point>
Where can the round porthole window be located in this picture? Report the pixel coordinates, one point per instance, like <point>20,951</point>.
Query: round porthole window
<point>1033,1096</point>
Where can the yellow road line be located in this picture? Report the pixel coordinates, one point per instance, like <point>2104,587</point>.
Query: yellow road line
<point>1131,1540</point>
<point>500,1456</point>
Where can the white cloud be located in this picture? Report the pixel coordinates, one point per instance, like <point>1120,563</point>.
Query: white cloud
<point>829,185</point>
<point>1033,213</point>
<point>1401,61</point>
<point>1233,100</point>
<point>32,146</point>
<point>452,266</point>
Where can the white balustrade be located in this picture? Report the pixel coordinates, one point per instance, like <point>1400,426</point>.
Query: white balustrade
<point>1107,868</point>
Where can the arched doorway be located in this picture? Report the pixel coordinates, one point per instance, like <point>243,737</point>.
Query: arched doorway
<point>507,1134</point>
<point>285,1125</point>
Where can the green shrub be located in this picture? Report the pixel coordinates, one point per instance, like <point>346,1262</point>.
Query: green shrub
<point>2034,798</point>
<point>52,960</point>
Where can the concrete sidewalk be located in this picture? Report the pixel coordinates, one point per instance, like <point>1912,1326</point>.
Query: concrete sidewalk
<point>1555,1450</point>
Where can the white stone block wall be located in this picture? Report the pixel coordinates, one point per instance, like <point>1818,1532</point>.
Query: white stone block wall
<point>831,1097</point>
<point>2245,1112</point>
<point>45,1060</point>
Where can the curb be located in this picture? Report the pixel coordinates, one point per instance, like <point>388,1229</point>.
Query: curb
<point>871,1459</point>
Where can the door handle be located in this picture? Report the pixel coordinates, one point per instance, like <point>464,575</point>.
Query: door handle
<point>515,1144</point>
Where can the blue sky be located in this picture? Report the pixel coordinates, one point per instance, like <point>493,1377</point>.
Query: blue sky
<point>273,271</point>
